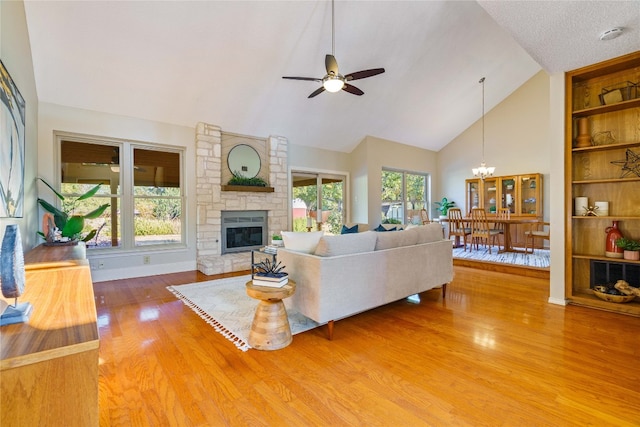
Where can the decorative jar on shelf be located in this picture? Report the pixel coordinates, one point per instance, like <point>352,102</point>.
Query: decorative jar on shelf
<point>613,234</point>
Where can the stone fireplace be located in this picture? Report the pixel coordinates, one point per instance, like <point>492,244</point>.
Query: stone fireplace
<point>211,200</point>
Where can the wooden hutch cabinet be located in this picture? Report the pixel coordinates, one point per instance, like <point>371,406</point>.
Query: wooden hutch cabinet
<point>522,194</point>
<point>602,145</point>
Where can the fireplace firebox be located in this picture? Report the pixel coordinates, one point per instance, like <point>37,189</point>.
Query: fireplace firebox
<point>243,230</point>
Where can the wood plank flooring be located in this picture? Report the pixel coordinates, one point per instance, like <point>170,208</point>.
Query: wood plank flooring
<point>493,353</point>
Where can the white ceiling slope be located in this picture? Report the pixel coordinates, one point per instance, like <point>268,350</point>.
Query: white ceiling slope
<point>565,35</point>
<point>222,62</point>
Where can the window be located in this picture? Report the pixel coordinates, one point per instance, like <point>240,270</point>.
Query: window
<point>313,209</point>
<point>140,182</point>
<point>404,194</point>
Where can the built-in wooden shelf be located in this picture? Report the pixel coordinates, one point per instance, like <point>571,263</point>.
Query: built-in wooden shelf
<point>590,300</point>
<point>607,146</point>
<point>247,188</point>
<point>601,109</point>
<point>604,258</point>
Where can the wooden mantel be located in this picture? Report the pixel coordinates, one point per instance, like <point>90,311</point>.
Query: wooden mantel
<point>247,188</point>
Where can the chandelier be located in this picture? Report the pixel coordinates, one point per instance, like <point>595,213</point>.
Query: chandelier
<point>483,171</point>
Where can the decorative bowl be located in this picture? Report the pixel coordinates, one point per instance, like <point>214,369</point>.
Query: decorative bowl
<point>613,298</point>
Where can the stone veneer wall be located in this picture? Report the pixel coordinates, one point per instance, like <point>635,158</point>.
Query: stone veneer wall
<point>211,201</point>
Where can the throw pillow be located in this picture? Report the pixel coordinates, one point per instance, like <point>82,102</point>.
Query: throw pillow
<point>349,230</point>
<point>382,228</point>
<point>301,241</point>
<point>352,243</point>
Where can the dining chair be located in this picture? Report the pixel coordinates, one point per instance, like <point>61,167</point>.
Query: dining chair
<point>480,230</point>
<point>457,225</point>
<point>503,213</point>
<point>424,216</point>
<point>537,230</point>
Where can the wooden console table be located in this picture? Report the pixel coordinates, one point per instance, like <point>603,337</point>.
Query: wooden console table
<point>49,366</point>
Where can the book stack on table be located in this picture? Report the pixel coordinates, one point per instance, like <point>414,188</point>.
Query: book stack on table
<point>271,281</point>
<point>270,249</point>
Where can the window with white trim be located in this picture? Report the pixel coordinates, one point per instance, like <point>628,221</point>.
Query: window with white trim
<point>404,194</point>
<point>142,183</point>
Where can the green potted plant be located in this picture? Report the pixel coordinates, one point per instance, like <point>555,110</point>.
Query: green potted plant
<point>276,240</point>
<point>444,205</point>
<point>631,248</point>
<point>239,179</point>
<point>68,221</point>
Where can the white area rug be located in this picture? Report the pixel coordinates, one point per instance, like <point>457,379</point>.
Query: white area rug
<point>540,257</point>
<point>225,305</point>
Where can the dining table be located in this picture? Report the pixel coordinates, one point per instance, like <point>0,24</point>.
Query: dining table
<point>507,222</point>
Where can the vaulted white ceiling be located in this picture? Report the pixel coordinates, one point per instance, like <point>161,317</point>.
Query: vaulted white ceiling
<point>222,62</point>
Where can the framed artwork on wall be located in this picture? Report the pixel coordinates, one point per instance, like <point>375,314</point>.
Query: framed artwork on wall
<point>12,140</point>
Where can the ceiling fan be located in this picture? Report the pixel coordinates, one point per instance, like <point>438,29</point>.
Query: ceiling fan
<point>333,81</point>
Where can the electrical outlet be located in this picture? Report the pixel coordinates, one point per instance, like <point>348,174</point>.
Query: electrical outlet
<point>146,259</point>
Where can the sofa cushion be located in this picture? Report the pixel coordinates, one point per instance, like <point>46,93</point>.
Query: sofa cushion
<point>301,241</point>
<point>349,230</point>
<point>344,244</point>
<point>395,240</point>
<point>431,232</point>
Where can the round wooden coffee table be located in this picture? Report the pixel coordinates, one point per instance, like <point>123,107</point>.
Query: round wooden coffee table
<point>270,328</point>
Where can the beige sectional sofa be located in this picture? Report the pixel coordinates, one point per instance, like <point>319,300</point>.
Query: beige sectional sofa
<point>347,274</point>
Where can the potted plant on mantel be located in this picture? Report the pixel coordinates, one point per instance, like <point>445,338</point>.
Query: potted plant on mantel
<point>631,248</point>
<point>239,179</point>
<point>443,206</point>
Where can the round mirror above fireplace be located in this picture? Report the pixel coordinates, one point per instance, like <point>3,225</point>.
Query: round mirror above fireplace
<point>243,160</point>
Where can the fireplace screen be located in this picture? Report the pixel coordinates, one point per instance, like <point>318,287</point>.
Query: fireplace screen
<point>243,230</point>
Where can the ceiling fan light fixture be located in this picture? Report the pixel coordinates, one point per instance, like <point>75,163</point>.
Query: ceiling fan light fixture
<point>332,83</point>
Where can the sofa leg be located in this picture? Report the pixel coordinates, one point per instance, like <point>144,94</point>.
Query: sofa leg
<point>330,330</point>
<point>444,291</point>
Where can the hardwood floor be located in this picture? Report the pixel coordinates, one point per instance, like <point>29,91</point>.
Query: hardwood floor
<point>494,353</point>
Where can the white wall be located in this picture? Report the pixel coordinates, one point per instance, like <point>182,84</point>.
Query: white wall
<point>382,153</point>
<point>557,193</point>
<point>364,165</point>
<point>15,53</point>
<point>122,264</point>
<point>517,141</point>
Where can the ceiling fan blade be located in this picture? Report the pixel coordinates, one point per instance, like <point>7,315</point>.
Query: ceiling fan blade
<point>352,89</point>
<point>331,64</point>
<point>364,74</point>
<point>316,92</point>
<point>311,79</point>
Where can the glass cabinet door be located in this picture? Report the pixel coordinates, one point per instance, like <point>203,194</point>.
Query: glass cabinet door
<point>473,195</point>
<point>529,194</point>
<point>508,193</point>
<point>490,195</point>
